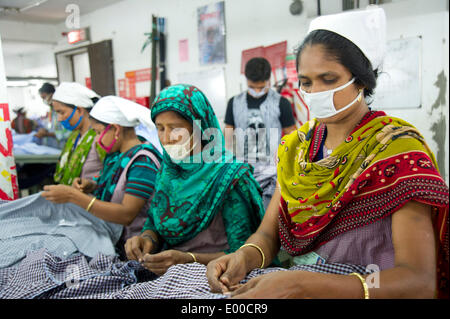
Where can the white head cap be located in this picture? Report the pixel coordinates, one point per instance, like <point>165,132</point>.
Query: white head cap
<point>116,110</point>
<point>75,94</point>
<point>366,29</point>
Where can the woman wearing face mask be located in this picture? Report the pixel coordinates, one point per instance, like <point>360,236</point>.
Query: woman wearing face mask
<point>122,191</point>
<point>359,191</point>
<point>90,217</point>
<point>203,207</point>
<point>81,156</point>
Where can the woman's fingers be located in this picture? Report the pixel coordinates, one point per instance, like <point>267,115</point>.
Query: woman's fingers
<point>243,290</point>
<point>232,274</point>
<point>135,248</point>
<point>147,247</point>
<point>129,252</point>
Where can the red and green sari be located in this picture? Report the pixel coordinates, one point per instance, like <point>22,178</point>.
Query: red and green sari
<point>384,163</point>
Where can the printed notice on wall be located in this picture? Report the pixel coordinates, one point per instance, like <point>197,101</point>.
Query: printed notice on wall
<point>211,33</point>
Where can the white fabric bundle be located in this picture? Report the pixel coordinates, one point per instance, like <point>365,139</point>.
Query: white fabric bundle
<point>366,29</point>
<point>116,110</point>
<point>75,94</point>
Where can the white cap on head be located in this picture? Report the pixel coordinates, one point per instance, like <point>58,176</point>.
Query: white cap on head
<point>116,110</point>
<point>75,94</point>
<point>365,28</point>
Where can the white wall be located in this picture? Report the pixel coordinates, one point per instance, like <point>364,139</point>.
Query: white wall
<point>126,22</point>
<point>28,50</point>
<point>430,20</point>
<point>272,24</point>
<point>251,23</point>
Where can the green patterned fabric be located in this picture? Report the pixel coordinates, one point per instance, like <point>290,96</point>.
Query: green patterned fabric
<point>115,163</point>
<point>189,195</point>
<point>72,158</point>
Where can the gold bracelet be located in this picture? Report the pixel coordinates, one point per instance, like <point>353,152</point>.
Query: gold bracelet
<point>193,256</point>
<point>91,203</point>
<point>363,281</point>
<point>260,251</point>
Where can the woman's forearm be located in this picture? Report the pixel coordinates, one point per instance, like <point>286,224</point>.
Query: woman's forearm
<point>269,246</point>
<point>111,212</point>
<point>398,282</point>
<point>204,258</point>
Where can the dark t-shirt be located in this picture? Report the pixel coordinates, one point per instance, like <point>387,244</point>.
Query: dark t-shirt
<point>286,116</point>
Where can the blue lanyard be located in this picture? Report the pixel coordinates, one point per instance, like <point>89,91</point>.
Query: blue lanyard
<point>76,142</point>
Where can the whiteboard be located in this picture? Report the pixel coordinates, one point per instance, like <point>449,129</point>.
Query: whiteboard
<point>399,84</point>
<point>212,83</point>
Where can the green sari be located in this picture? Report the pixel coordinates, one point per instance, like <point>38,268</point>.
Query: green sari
<point>189,195</point>
<point>73,156</point>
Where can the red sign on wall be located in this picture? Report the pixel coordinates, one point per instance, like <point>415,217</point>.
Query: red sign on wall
<point>88,83</point>
<point>250,54</point>
<point>275,54</point>
<point>122,88</point>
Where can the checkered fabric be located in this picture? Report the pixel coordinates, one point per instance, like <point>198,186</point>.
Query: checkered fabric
<point>43,275</point>
<point>32,222</point>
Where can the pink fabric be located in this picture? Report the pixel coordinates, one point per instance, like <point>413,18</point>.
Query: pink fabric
<point>211,240</point>
<point>371,244</point>
<point>93,165</point>
<point>137,224</point>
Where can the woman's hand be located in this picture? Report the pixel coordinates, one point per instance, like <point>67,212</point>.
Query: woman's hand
<point>58,193</point>
<point>276,285</point>
<point>136,247</point>
<point>159,263</point>
<point>84,185</point>
<point>226,272</point>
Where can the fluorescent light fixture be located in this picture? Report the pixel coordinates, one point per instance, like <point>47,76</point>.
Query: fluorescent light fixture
<point>17,83</point>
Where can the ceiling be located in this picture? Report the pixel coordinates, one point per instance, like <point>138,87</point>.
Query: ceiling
<point>46,11</point>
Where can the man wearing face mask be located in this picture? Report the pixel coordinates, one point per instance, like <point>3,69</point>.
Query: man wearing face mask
<point>52,133</point>
<point>257,118</point>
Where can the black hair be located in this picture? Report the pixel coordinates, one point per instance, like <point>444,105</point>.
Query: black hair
<point>95,99</point>
<point>346,53</point>
<point>258,70</point>
<point>97,121</point>
<point>72,106</point>
<point>47,88</point>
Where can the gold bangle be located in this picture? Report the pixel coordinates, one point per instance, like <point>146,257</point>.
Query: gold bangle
<point>91,203</point>
<point>193,256</point>
<point>260,251</point>
<point>363,281</point>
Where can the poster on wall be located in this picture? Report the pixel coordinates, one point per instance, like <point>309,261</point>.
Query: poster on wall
<point>211,33</point>
<point>8,177</point>
<point>399,85</point>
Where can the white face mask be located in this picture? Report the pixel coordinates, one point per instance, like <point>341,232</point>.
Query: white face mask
<point>179,151</point>
<point>321,104</point>
<point>259,94</point>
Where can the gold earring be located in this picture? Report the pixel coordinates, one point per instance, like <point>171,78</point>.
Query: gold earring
<point>360,95</point>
